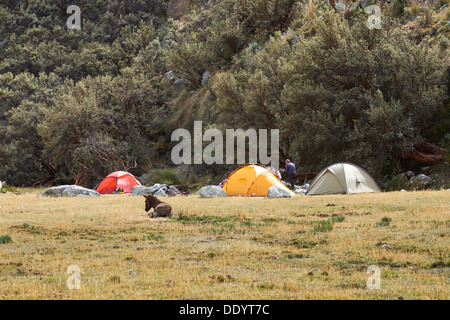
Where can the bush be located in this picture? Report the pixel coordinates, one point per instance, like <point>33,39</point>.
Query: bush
<point>384,222</point>
<point>161,176</point>
<point>5,239</point>
<point>337,219</point>
<point>5,188</point>
<point>152,236</point>
<point>397,183</point>
<point>323,226</point>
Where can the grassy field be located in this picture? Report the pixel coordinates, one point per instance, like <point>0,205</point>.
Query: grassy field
<point>234,248</point>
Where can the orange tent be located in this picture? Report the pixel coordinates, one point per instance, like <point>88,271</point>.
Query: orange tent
<point>118,180</point>
<point>252,180</point>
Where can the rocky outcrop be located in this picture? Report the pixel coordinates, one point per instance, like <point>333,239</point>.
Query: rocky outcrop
<point>173,191</point>
<point>143,190</point>
<point>69,191</point>
<point>419,182</point>
<point>278,192</point>
<point>160,190</point>
<point>212,192</point>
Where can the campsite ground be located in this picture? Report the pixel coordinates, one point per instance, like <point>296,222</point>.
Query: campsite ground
<point>231,248</point>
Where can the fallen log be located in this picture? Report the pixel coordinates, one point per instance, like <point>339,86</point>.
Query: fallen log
<point>426,153</point>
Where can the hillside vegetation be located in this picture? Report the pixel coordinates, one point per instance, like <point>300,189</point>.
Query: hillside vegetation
<point>76,105</point>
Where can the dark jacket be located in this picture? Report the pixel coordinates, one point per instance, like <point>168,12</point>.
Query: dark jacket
<point>290,169</point>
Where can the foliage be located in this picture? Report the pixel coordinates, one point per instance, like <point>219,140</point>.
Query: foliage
<point>5,239</point>
<point>346,94</point>
<point>385,221</point>
<point>323,226</point>
<point>163,176</point>
<point>6,188</point>
<point>78,104</point>
<point>152,236</point>
<point>397,183</point>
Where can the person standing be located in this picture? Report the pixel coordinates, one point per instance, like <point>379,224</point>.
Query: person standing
<point>291,173</point>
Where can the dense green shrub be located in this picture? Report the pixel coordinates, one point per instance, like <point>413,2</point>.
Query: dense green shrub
<point>161,176</point>
<point>397,183</point>
<point>76,105</point>
<point>5,239</point>
<point>6,188</point>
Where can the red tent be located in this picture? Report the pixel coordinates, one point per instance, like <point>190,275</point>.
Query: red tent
<point>118,180</point>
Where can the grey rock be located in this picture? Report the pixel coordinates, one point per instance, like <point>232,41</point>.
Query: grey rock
<point>408,175</point>
<point>278,192</point>
<point>156,190</point>
<point>161,192</point>
<point>69,191</point>
<point>419,182</point>
<point>173,191</point>
<point>211,192</point>
<point>142,190</point>
<point>300,190</point>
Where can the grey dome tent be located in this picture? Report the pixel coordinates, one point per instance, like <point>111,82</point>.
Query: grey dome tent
<point>343,177</point>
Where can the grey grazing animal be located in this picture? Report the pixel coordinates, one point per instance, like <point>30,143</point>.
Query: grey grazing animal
<point>160,209</point>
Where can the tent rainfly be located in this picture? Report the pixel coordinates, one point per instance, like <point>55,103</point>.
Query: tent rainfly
<point>344,178</point>
<point>118,180</point>
<point>252,181</point>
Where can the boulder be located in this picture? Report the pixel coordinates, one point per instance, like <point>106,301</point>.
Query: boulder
<point>161,192</point>
<point>409,175</point>
<point>212,192</point>
<point>278,192</point>
<point>142,190</point>
<point>172,191</point>
<point>300,190</point>
<point>69,191</point>
<point>419,182</point>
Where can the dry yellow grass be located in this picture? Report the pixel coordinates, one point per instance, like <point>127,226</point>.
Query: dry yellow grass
<point>233,248</point>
